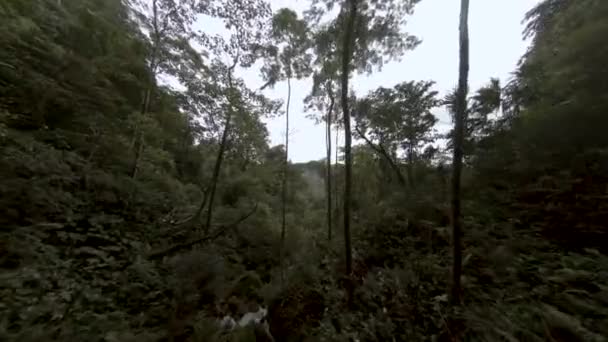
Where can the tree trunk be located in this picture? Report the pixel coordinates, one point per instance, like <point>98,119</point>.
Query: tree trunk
<point>216,170</point>
<point>220,154</point>
<point>336,184</point>
<point>138,142</point>
<point>458,145</point>
<point>284,190</point>
<point>410,166</point>
<point>328,122</point>
<point>348,162</point>
<point>337,144</point>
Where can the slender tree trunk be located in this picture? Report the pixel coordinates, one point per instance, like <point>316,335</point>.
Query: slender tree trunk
<point>410,166</point>
<point>336,184</point>
<point>216,170</point>
<point>197,217</point>
<point>337,144</point>
<point>328,122</point>
<point>285,172</point>
<point>138,143</point>
<point>348,162</point>
<point>222,148</point>
<point>458,145</point>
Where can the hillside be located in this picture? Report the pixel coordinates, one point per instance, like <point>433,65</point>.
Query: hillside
<point>133,211</point>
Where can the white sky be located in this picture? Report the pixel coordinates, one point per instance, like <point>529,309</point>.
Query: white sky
<point>496,46</point>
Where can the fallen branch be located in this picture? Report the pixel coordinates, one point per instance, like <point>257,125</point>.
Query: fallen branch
<point>221,230</point>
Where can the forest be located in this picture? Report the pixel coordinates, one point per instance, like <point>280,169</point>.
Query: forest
<point>141,199</point>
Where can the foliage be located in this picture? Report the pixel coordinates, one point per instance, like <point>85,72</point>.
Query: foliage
<point>89,252</point>
<point>287,54</point>
<point>378,35</point>
<point>398,119</point>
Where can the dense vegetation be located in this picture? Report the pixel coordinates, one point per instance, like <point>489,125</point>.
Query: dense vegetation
<point>140,199</point>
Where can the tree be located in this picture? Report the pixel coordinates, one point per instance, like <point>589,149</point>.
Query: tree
<point>328,123</point>
<point>459,127</point>
<point>479,125</point>
<point>348,42</point>
<point>86,67</point>
<point>563,71</point>
<point>168,28</point>
<point>231,108</point>
<point>322,99</point>
<point>553,106</point>
<point>245,21</point>
<point>288,58</point>
<point>554,122</point>
<point>395,119</point>
<point>370,33</point>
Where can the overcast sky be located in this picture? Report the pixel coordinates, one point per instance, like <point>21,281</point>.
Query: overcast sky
<point>496,46</point>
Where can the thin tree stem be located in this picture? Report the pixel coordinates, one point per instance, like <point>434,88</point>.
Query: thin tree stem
<point>138,141</point>
<point>220,154</point>
<point>346,59</point>
<point>328,144</point>
<point>284,190</point>
<point>458,152</point>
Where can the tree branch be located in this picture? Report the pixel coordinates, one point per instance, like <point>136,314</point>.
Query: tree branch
<point>268,84</point>
<point>384,153</point>
<point>210,237</point>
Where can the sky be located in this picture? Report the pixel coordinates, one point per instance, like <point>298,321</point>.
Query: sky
<point>495,29</point>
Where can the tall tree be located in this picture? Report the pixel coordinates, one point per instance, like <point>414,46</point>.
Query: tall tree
<point>370,33</point>
<point>337,159</point>
<point>347,55</point>
<point>322,99</point>
<point>395,119</point>
<point>328,123</point>
<point>480,106</point>
<point>459,126</point>
<point>231,109</point>
<point>288,58</point>
<point>246,21</point>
